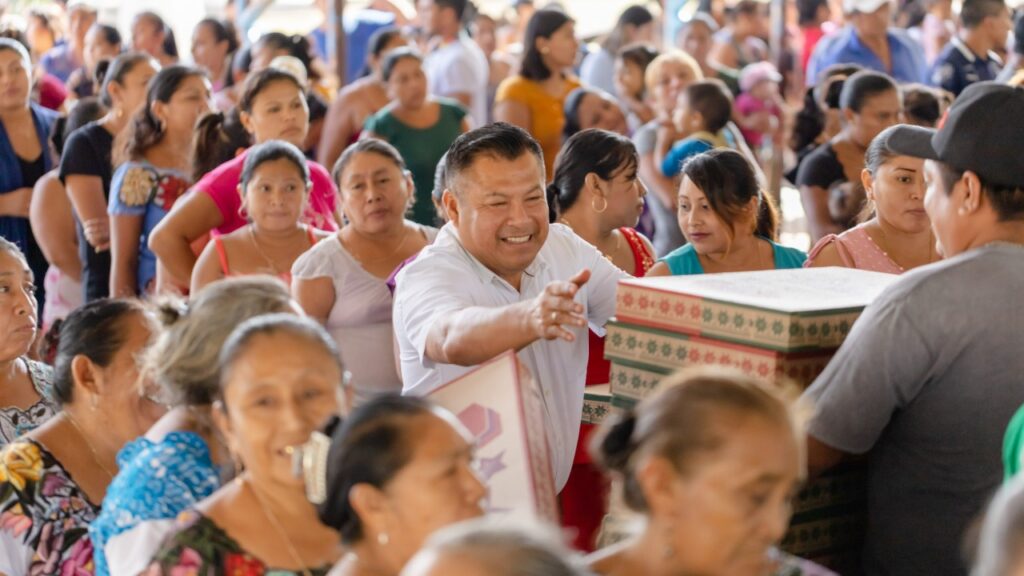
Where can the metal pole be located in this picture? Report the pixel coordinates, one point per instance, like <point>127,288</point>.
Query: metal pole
<point>336,39</point>
<point>778,47</point>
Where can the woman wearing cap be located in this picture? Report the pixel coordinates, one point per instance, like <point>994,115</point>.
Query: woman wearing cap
<point>898,235</point>
<point>870,103</point>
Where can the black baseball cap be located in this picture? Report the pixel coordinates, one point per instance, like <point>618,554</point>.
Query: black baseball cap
<point>981,133</point>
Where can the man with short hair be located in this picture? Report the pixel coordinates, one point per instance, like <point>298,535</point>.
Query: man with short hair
<point>869,41</point>
<point>970,56</point>
<point>65,58</point>
<point>456,67</point>
<point>931,374</point>
<point>499,277</point>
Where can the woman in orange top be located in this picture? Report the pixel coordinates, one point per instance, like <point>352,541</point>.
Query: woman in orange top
<point>534,98</point>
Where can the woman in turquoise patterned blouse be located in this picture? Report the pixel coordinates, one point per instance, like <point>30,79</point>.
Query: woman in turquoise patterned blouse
<point>729,223</point>
<point>280,378</point>
<point>178,462</point>
<point>53,479</point>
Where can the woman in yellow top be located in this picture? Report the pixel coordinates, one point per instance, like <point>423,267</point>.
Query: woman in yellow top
<point>534,98</point>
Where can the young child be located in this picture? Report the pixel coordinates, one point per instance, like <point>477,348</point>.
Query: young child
<point>703,110</point>
<point>759,107</point>
<point>630,67</point>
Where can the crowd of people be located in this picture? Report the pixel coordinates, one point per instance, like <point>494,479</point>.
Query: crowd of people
<point>228,286</point>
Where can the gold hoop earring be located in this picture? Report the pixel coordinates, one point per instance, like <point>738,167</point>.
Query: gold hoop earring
<point>593,204</point>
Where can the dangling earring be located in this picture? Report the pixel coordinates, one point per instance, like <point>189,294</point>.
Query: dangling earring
<point>604,206</point>
<point>668,551</point>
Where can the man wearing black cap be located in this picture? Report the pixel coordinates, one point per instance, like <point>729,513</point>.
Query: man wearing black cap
<point>933,370</point>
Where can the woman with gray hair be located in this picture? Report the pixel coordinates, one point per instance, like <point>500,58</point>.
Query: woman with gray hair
<point>1001,545</point>
<point>177,463</point>
<point>488,548</point>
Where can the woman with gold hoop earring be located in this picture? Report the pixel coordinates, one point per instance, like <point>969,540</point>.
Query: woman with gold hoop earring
<point>596,191</point>
<point>279,381</point>
<point>53,479</point>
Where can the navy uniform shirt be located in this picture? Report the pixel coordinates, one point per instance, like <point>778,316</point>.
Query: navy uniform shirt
<point>957,67</point>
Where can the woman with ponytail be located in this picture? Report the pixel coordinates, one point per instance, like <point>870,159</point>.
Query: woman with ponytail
<point>153,158</point>
<point>86,167</point>
<point>730,223</point>
<point>596,191</point>
<point>712,462</point>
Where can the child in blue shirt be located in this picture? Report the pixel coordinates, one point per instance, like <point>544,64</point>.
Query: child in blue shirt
<point>703,110</point>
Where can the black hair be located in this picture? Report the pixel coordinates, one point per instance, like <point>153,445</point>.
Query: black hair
<point>145,131</point>
<point>84,111</point>
<point>543,24</point>
<point>1007,199</point>
<point>256,83</point>
<point>459,6</point>
<point>639,53</point>
<point>223,31</point>
<point>596,151</point>
<point>571,110</point>
<point>729,183</point>
<point>745,7</point>
<point>439,178</point>
<point>219,136</point>
<point>862,86</point>
<point>713,101</point>
<point>96,331</point>
<point>300,327</point>
<point>370,447</point>
<point>110,34</point>
<point>379,40</point>
<point>635,16</point>
<point>697,18</point>
<point>974,12</point>
<point>367,145</point>
<point>498,139</point>
<point>170,45</point>
<point>807,11</point>
<point>921,104</point>
<point>115,70</point>
<point>268,152</point>
<point>1018,32</point>
<point>241,62</point>
<point>394,57</point>
<point>296,45</point>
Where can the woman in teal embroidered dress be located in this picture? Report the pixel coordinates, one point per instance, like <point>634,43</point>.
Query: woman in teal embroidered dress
<point>53,479</point>
<point>729,223</point>
<point>280,376</point>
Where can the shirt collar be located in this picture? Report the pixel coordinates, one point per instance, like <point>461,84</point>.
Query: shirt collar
<point>970,55</point>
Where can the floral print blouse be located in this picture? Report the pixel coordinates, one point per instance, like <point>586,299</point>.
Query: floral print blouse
<point>201,548</point>
<point>14,421</point>
<point>44,515</point>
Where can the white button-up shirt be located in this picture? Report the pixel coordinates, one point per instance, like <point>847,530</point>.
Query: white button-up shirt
<point>445,279</point>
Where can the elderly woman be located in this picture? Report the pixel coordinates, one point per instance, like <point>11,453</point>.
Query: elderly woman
<point>397,470</point>
<point>178,462</point>
<point>25,400</point>
<point>54,478</point>
<point>534,98</point>
<point>24,155</point>
<point>711,462</point>
<point>280,376</point>
<point>419,126</point>
<point>342,282</point>
<point>870,103</point>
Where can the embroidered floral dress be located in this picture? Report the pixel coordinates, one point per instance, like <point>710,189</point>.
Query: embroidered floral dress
<point>142,189</point>
<point>157,481</point>
<point>201,548</point>
<point>14,421</point>
<point>44,515</point>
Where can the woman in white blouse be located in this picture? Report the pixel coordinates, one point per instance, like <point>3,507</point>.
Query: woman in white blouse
<point>342,281</point>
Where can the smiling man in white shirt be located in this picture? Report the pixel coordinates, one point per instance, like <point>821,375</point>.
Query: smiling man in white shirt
<point>499,277</point>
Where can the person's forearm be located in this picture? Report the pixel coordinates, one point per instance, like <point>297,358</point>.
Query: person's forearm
<point>122,277</point>
<point>175,253</point>
<point>16,203</point>
<point>475,335</point>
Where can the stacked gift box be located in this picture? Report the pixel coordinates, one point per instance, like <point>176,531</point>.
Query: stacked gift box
<point>772,325</point>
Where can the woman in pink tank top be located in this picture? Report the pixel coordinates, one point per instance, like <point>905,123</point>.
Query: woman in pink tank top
<point>897,235</point>
<point>275,181</point>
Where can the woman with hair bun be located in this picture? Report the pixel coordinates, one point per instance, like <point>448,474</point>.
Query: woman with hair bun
<point>712,462</point>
